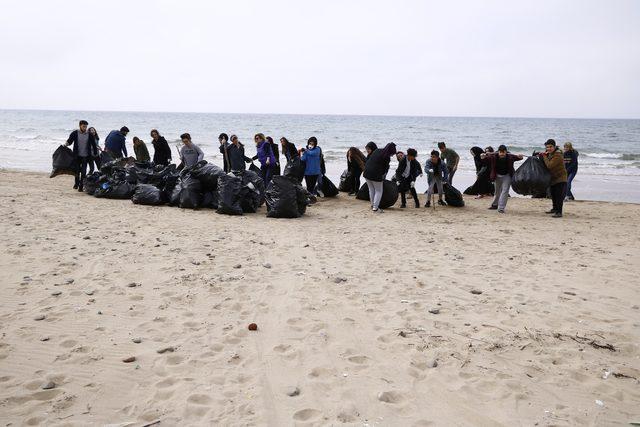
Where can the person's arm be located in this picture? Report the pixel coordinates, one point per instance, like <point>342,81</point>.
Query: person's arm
<point>455,166</point>
<point>70,139</point>
<point>445,172</point>
<point>200,153</point>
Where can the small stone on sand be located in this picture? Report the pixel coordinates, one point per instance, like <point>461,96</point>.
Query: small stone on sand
<point>132,285</point>
<point>129,359</point>
<point>169,349</point>
<point>237,266</point>
<point>44,338</point>
<point>137,340</point>
<point>253,327</point>
<point>434,311</point>
<point>293,391</point>
<point>39,317</point>
<point>49,385</point>
<point>56,293</point>
<point>88,292</point>
<point>266,265</point>
<point>476,291</point>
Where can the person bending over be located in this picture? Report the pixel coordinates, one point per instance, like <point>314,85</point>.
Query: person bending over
<point>84,146</point>
<point>408,171</point>
<point>355,166</point>
<point>95,156</point>
<point>501,171</point>
<point>554,160</point>
<point>116,143</point>
<point>276,154</point>
<point>375,171</point>
<point>451,158</point>
<point>190,153</point>
<point>140,150</point>
<point>437,174</point>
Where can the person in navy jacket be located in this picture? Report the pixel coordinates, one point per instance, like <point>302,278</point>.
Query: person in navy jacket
<point>115,143</point>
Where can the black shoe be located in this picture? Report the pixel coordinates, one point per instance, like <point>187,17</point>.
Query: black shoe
<point>79,189</point>
<point>403,206</point>
<point>442,203</point>
<point>552,211</point>
<point>557,215</point>
<point>75,186</point>
<point>493,208</point>
<point>427,205</point>
<point>417,205</point>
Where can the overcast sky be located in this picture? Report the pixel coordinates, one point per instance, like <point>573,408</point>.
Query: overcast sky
<point>552,58</point>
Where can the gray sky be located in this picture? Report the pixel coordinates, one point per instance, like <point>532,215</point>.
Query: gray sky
<point>550,58</point>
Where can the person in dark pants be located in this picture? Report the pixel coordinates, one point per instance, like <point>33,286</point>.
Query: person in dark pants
<point>161,150</point>
<point>234,154</point>
<point>95,158</point>
<point>295,166</point>
<point>312,169</point>
<point>115,143</point>
<point>355,166</point>
<point>83,148</point>
<point>451,159</point>
<point>223,139</point>
<point>276,153</point>
<point>571,165</point>
<point>265,157</point>
<point>554,160</point>
<point>408,171</point>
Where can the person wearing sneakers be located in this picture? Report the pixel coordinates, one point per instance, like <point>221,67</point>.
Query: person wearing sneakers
<point>554,161</point>
<point>502,170</point>
<point>437,174</point>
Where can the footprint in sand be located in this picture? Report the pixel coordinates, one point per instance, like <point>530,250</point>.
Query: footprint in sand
<point>358,360</point>
<point>307,415</point>
<point>393,397</point>
<point>199,399</point>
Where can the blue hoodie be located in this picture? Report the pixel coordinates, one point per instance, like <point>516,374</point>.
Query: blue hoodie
<point>116,143</point>
<point>264,152</point>
<point>311,157</point>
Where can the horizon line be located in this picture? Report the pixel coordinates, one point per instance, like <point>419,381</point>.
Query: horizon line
<point>326,114</point>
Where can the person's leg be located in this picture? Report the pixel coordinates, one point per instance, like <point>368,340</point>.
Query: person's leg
<point>308,180</point>
<point>403,199</point>
<point>569,181</point>
<point>371,190</point>
<point>414,194</point>
<point>557,195</point>
<point>438,181</point>
<point>554,198</point>
<point>377,186</point>
<point>357,182</point>
<point>505,185</point>
<point>82,172</point>
<point>90,165</point>
<point>498,191</point>
<point>432,185</point>
<point>452,172</point>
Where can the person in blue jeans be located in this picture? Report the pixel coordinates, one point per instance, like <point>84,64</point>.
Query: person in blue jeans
<point>312,170</point>
<point>571,165</point>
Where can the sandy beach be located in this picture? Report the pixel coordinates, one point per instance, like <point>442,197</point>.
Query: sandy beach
<point>408,318</point>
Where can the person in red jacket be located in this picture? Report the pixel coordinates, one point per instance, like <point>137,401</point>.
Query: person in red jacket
<point>502,170</point>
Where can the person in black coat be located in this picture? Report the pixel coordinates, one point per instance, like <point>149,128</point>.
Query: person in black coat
<point>483,185</point>
<point>375,171</point>
<point>161,150</point>
<point>295,166</point>
<point>408,171</point>
<point>355,165</point>
<point>234,154</point>
<point>276,153</point>
<point>84,148</point>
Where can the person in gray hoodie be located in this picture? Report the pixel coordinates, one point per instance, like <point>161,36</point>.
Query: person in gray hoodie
<point>190,153</point>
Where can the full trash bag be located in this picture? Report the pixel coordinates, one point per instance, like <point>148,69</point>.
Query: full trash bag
<point>115,190</point>
<point>452,196</point>
<point>190,192</point>
<point>63,162</point>
<point>229,188</point>
<point>91,183</point>
<point>285,198</point>
<point>147,194</point>
<point>328,188</point>
<point>295,169</point>
<point>210,199</point>
<point>252,193</point>
<point>532,177</point>
<point>389,194</point>
<point>346,182</point>
<point>207,174</point>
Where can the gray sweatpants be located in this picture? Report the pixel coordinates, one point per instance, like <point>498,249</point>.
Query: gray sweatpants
<point>503,183</point>
<point>436,180</point>
<point>375,192</point>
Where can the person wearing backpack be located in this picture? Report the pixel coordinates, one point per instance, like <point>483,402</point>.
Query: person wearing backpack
<point>501,172</point>
<point>554,161</point>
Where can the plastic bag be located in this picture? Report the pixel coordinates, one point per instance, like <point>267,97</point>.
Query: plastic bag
<point>452,196</point>
<point>115,190</point>
<point>63,162</point>
<point>346,182</point>
<point>389,194</point>
<point>190,192</point>
<point>210,200</point>
<point>207,174</point>
<point>254,168</point>
<point>532,177</point>
<point>285,198</point>
<point>147,194</point>
<point>229,187</point>
<point>90,183</point>
<point>295,169</point>
<point>328,188</point>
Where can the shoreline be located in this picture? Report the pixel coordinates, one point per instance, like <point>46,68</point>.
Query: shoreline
<point>452,316</point>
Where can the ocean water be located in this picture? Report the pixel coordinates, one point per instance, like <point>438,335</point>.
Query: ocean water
<point>609,149</point>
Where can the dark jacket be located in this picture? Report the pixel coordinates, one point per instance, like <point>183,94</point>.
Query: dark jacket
<point>116,143</point>
<point>415,170</point>
<point>377,166</point>
<point>491,159</point>
<point>141,152</point>
<point>263,152</point>
<point>276,152</point>
<point>161,151</point>
<point>555,163</point>
<point>235,154</point>
<point>571,161</point>
<point>290,152</point>
<point>73,139</point>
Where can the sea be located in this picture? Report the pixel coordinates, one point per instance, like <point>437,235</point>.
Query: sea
<point>609,161</point>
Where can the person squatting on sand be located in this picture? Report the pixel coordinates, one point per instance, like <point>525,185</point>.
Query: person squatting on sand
<point>451,159</point>
<point>571,165</point>
<point>408,171</point>
<point>355,165</point>
<point>161,150</point>
<point>375,171</point>
<point>554,160</point>
<point>501,171</point>
<point>312,169</point>
<point>190,153</point>
<point>437,174</point>
<point>84,147</point>
<point>140,150</point>
<point>116,143</point>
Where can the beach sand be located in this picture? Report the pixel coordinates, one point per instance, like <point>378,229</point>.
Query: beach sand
<point>408,318</point>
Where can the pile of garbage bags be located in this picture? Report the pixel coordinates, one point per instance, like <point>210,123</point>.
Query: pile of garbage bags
<point>286,198</point>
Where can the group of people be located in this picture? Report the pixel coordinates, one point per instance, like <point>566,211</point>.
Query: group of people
<point>494,170</point>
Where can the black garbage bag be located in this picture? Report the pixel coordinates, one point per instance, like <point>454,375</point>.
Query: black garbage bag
<point>389,194</point>
<point>105,158</point>
<point>210,199</point>
<point>346,182</point>
<point>532,177</point>
<point>254,168</point>
<point>295,168</point>
<point>328,188</point>
<point>207,174</point>
<point>169,183</point>
<point>90,183</point>
<point>190,192</point>
<point>229,188</point>
<point>303,198</point>
<point>63,162</point>
<point>285,198</point>
<point>452,196</point>
<point>252,193</point>
<point>147,194</point>
<point>115,190</point>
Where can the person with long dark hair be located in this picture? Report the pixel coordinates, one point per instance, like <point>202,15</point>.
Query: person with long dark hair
<point>312,169</point>
<point>161,150</point>
<point>265,157</point>
<point>375,171</point>
<point>355,165</point>
<point>295,167</point>
<point>95,155</point>
<point>482,186</point>
<point>276,154</point>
